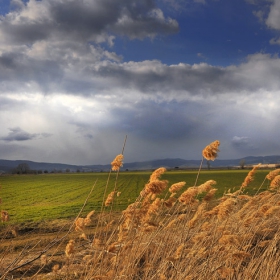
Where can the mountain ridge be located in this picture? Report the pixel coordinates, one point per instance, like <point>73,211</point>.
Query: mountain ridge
<point>9,165</point>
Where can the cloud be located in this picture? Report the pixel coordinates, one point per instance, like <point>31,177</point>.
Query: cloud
<point>179,5</point>
<point>273,19</point>
<point>240,141</point>
<point>200,1</point>
<point>201,55</point>
<point>267,12</point>
<point>61,73</point>
<point>260,15</point>
<point>88,21</point>
<point>274,41</point>
<point>89,70</point>
<point>260,71</point>
<point>90,130</point>
<point>247,144</point>
<point>159,121</point>
<point>55,46</point>
<point>17,134</point>
<point>64,54</point>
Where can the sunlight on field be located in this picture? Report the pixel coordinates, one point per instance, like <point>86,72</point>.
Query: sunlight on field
<point>40,197</point>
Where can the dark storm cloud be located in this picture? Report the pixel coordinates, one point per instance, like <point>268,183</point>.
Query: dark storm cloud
<point>17,134</point>
<point>240,141</point>
<point>83,71</point>
<point>55,44</point>
<point>85,20</point>
<point>251,145</point>
<point>19,68</point>
<point>134,19</point>
<point>260,71</point>
<point>160,121</point>
<point>57,57</point>
<point>6,104</point>
<point>13,150</point>
<point>45,135</point>
<point>150,76</point>
<point>26,33</point>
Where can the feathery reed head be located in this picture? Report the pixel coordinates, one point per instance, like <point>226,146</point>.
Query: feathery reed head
<point>69,251</point>
<point>55,268</point>
<point>5,217</point>
<point>207,186</point>
<point>176,187</point>
<point>117,163</point>
<point>250,177</point>
<point>188,196</point>
<point>110,198</point>
<point>79,224</point>
<point>87,220</point>
<point>155,187</point>
<point>275,183</point>
<point>210,152</point>
<point>209,196</point>
<point>157,173</point>
<point>272,174</point>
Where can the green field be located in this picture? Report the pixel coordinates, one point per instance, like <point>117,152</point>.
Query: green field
<point>51,196</point>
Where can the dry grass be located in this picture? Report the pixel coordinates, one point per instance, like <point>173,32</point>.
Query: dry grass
<point>190,235</point>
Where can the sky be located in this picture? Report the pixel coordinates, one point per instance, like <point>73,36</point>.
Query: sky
<point>77,77</point>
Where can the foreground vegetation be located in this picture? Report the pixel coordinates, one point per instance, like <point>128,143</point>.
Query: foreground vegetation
<point>173,225</point>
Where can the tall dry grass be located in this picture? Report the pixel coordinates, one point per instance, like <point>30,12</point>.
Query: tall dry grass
<point>176,232</point>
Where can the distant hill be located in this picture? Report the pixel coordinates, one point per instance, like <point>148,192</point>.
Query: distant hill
<point>182,163</point>
<point>9,165</point>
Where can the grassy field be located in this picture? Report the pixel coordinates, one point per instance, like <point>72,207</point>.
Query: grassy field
<point>30,198</point>
<point>179,235</point>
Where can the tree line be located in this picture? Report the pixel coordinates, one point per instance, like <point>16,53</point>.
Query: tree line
<point>23,168</point>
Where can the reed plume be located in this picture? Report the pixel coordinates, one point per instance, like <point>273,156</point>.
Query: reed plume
<point>80,224</point>
<point>157,173</point>
<point>275,183</point>
<point>272,174</point>
<point>210,152</point>
<point>169,202</point>
<point>117,163</point>
<point>225,208</point>
<point>87,220</point>
<point>55,268</point>
<point>152,210</point>
<point>198,214</point>
<point>210,195</point>
<point>176,187</point>
<point>5,217</point>
<point>110,198</point>
<point>155,186</point>
<point>206,187</point>
<point>250,177</point>
<point>69,251</point>
<point>188,196</point>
